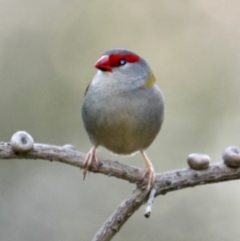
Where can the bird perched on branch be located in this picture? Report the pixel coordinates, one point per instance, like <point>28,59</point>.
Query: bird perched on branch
<point>123,108</point>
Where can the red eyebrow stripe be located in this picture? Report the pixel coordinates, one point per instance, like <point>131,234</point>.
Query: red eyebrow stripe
<point>130,58</point>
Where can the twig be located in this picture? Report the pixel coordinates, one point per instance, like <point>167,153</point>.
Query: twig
<point>124,211</point>
<point>150,201</point>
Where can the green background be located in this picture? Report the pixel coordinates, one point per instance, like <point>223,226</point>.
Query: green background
<point>47,53</point>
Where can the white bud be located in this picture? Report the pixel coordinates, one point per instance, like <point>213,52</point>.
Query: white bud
<point>21,141</point>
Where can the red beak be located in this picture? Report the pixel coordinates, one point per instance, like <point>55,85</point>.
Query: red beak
<point>104,64</point>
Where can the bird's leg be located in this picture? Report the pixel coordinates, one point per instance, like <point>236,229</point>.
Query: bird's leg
<point>90,158</point>
<point>148,170</point>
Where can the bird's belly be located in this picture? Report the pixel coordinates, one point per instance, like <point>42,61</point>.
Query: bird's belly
<point>122,133</point>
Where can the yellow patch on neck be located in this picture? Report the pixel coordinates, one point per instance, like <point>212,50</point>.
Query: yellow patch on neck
<point>151,81</point>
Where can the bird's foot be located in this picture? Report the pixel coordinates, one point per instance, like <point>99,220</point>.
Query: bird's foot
<point>149,170</point>
<point>91,157</point>
<point>151,176</point>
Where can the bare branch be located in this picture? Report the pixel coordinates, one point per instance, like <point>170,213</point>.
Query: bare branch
<point>124,211</point>
<point>71,157</point>
<point>164,182</point>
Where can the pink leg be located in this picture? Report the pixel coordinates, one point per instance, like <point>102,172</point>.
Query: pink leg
<point>148,170</point>
<point>89,160</point>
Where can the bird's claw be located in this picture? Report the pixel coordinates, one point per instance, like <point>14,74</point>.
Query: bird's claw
<point>151,177</point>
<point>89,160</point>
<point>148,170</point>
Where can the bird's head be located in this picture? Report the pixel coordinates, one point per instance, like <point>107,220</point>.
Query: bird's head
<point>128,68</point>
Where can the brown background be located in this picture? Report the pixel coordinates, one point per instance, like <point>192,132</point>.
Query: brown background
<point>47,53</point>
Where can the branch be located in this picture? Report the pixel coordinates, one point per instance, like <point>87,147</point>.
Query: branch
<point>164,182</point>
<point>123,212</point>
<point>71,157</point>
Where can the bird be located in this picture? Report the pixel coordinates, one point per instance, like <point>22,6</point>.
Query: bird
<point>123,108</point>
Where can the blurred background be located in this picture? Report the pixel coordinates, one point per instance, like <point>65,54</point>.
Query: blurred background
<point>47,53</point>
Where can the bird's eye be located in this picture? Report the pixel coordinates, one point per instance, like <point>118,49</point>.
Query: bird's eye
<point>122,61</point>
